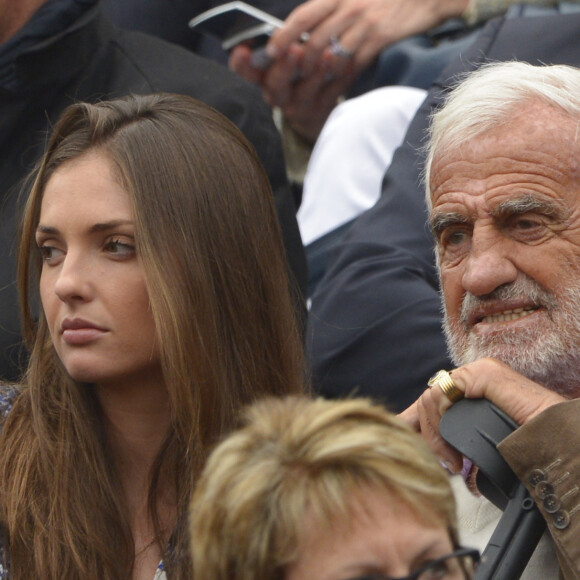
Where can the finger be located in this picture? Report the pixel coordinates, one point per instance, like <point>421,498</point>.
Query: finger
<point>411,416</point>
<point>323,38</point>
<point>304,18</point>
<point>240,61</point>
<point>430,416</point>
<point>443,383</point>
<point>364,46</point>
<point>313,100</point>
<point>279,82</point>
<point>323,87</point>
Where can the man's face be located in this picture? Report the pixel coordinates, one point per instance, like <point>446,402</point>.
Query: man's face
<point>506,218</point>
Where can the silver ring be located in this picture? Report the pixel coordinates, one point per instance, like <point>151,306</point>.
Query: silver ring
<point>337,49</point>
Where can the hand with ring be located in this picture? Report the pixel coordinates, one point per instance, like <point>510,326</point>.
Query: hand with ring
<point>337,49</point>
<point>519,397</point>
<point>362,28</point>
<point>323,47</point>
<point>306,101</point>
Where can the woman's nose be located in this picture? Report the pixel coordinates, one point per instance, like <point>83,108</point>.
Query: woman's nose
<point>73,279</point>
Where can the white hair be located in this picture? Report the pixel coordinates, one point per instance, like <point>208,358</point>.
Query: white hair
<point>485,98</point>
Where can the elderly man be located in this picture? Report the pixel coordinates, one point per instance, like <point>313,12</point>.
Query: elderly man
<point>504,196</point>
<point>380,290</point>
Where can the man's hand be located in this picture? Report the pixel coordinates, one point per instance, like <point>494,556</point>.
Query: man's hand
<point>305,100</point>
<point>517,396</point>
<point>363,27</point>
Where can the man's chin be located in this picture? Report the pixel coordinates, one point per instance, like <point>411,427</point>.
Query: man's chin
<point>549,367</point>
<point>508,354</point>
<point>507,347</point>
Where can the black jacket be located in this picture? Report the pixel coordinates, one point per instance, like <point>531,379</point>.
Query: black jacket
<point>91,60</point>
<point>169,20</point>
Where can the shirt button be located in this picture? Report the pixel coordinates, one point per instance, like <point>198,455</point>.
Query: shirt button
<point>536,476</point>
<point>544,489</point>
<point>552,503</point>
<point>561,519</point>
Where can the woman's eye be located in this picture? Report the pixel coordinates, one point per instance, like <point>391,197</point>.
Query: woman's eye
<point>120,248</point>
<point>50,254</point>
<point>438,571</point>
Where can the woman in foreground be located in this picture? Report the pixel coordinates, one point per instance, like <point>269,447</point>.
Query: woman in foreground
<point>155,303</point>
<point>333,490</point>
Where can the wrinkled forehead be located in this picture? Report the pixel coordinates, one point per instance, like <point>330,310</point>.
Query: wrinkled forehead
<point>540,146</point>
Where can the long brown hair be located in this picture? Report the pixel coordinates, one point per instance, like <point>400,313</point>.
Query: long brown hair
<point>209,243</point>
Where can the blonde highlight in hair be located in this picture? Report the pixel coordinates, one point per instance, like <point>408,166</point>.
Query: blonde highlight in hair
<point>295,458</point>
<point>213,260</point>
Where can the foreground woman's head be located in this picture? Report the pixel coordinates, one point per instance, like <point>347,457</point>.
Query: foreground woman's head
<point>323,489</point>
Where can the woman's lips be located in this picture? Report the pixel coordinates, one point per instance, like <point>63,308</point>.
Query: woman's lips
<point>78,332</point>
<point>81,335</point>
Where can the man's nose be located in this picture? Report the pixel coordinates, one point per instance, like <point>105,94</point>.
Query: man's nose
<point>489,264</point>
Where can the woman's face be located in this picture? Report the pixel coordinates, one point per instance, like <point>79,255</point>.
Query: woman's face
<point>92,286</point>
<point>383,538</point>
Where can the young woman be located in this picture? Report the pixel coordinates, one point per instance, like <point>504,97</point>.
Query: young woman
<point>155,303</point>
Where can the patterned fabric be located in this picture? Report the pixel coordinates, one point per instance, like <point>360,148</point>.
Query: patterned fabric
<point>160,574</point>
<point>7,396</point>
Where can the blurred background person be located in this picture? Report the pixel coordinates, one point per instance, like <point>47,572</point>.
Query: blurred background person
<point>346,37</point>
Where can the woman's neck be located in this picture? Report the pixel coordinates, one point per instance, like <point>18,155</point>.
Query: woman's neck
<point>137,422</point>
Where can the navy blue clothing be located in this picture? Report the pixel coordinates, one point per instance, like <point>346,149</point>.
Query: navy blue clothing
<point>169,19</point>
<point>375,325</point>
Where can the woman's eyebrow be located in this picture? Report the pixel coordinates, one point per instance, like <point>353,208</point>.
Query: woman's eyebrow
<point>98,227</point>
<point>112,224</point>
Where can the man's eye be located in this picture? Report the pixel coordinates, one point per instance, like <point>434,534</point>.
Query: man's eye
<point>453,238</point>
<point>527,224</point>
